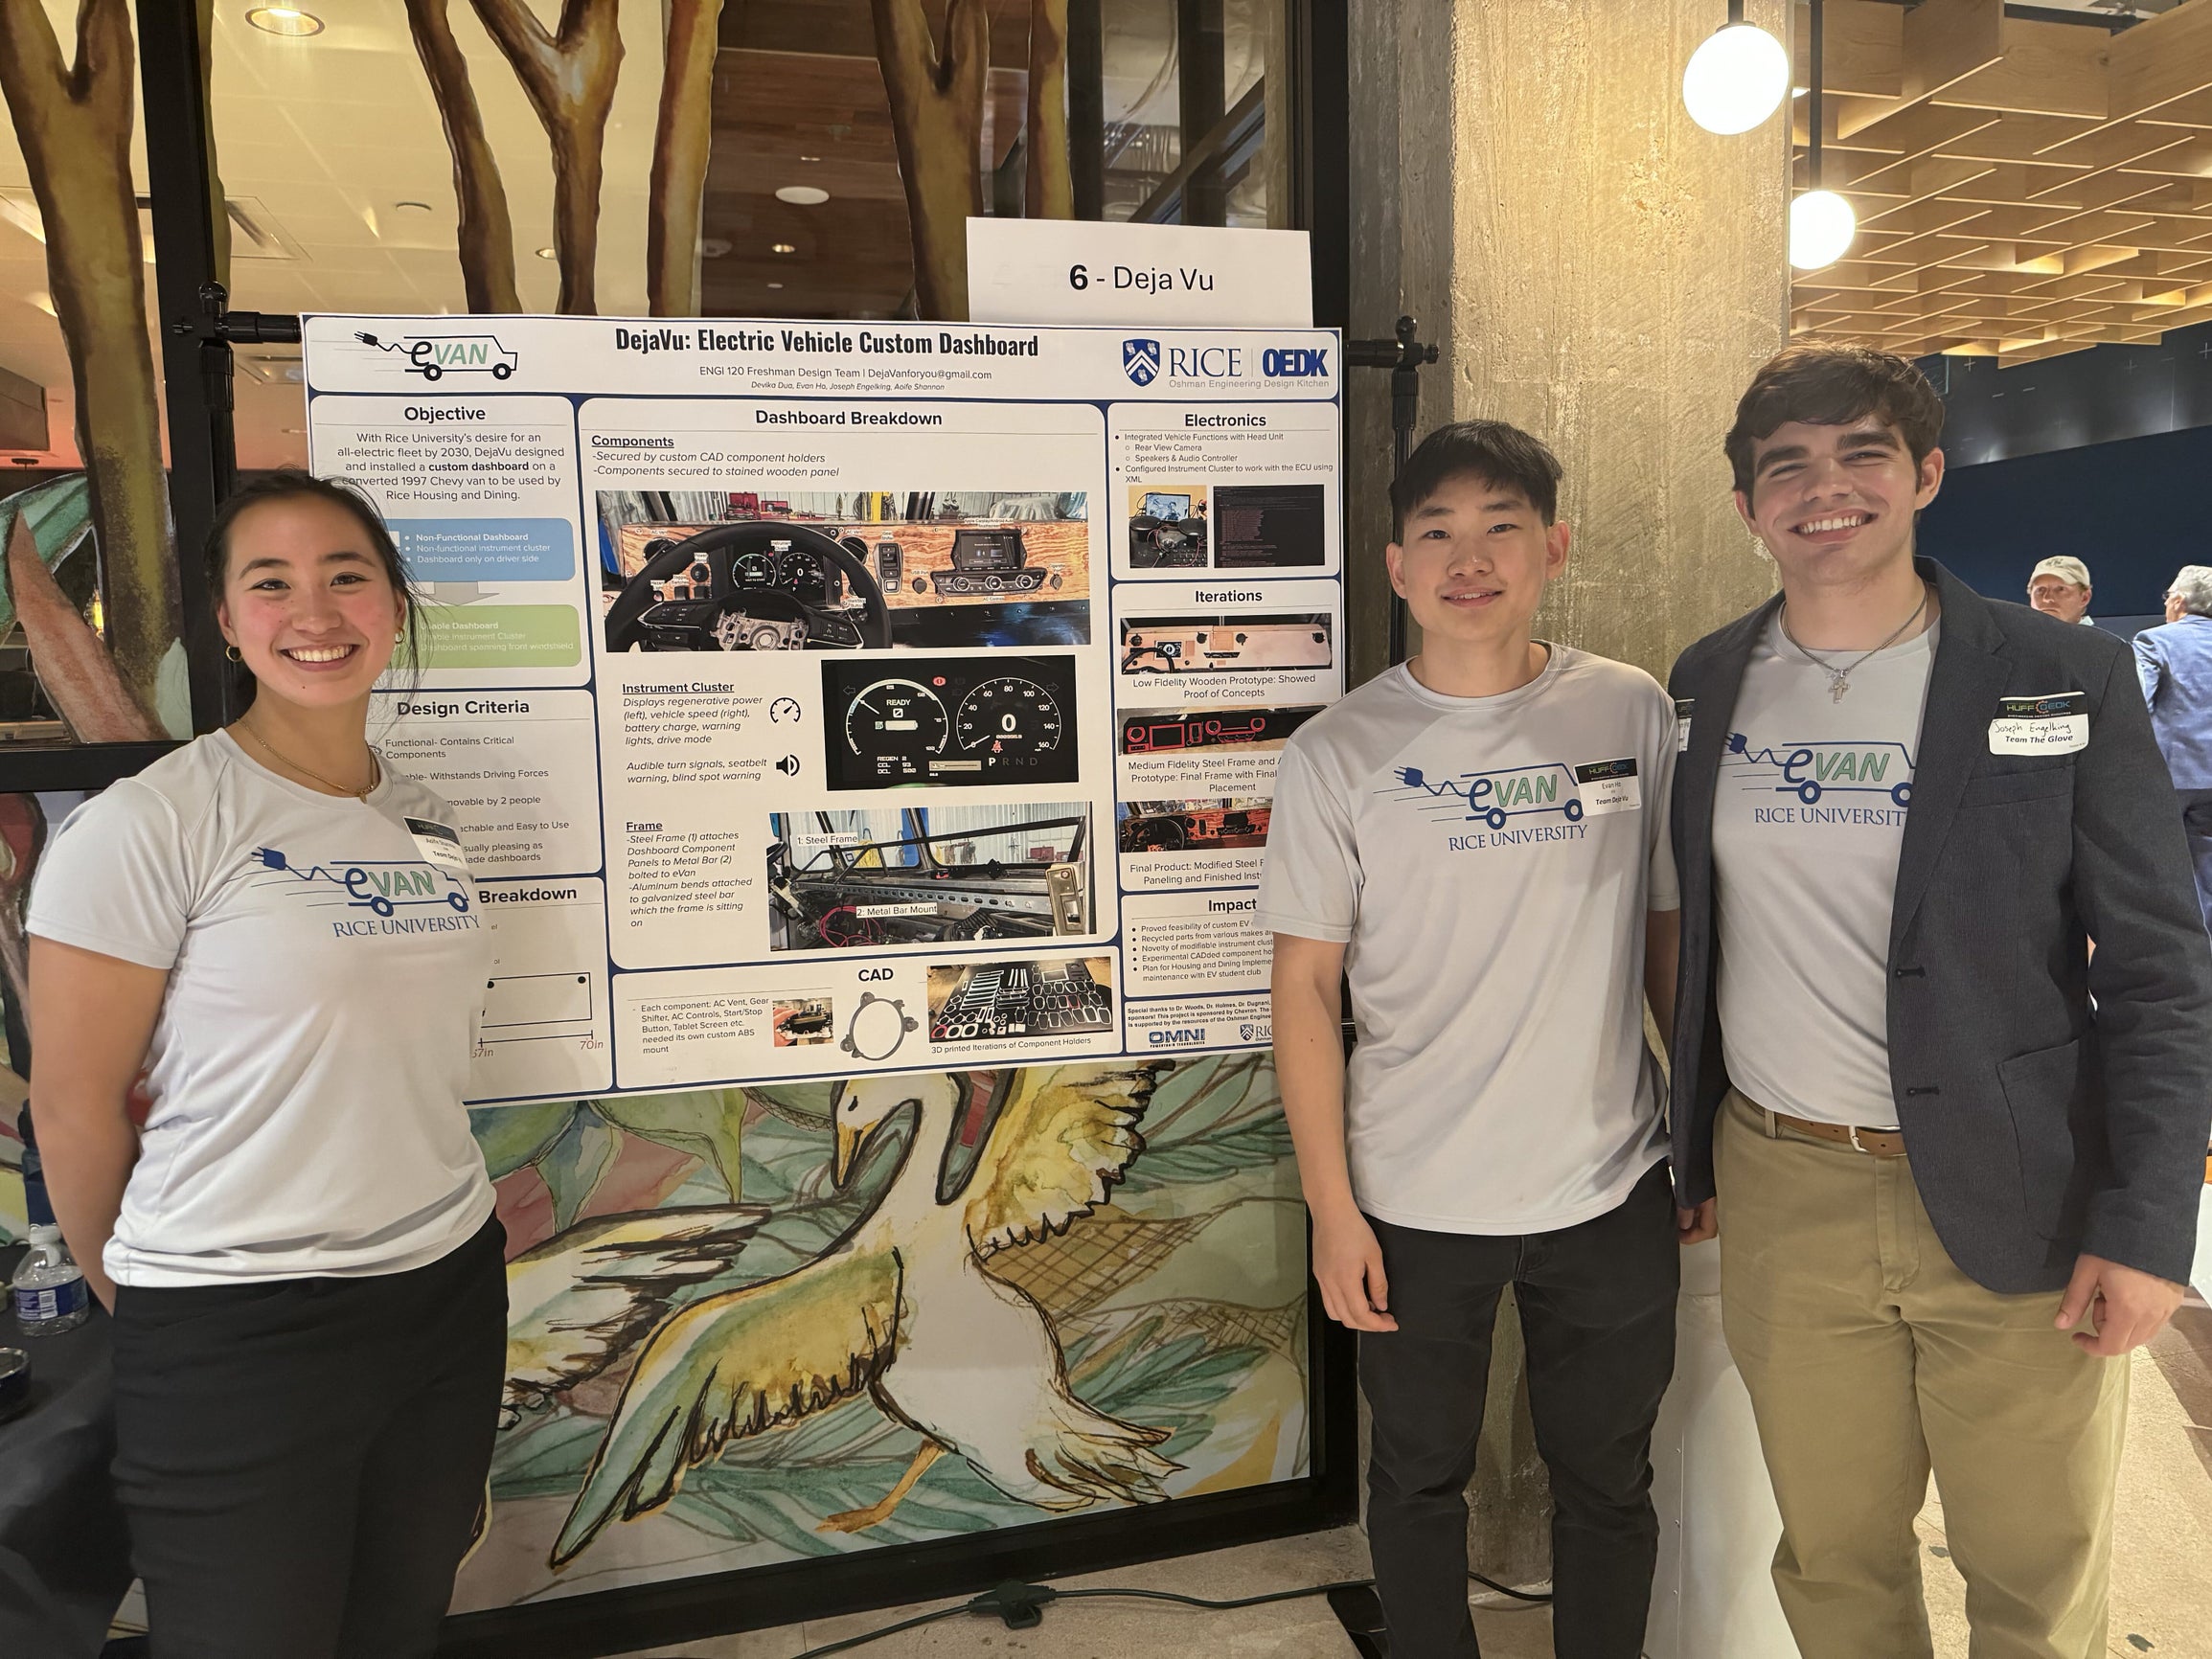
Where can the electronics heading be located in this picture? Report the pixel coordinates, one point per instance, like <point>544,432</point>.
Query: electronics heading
<point>865,341</point>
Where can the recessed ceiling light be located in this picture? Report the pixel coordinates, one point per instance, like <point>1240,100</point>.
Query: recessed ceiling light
<point>781,248</point>
<point>775,285</point>
<point>286,20</point>
<point>547,254</point>
<point>294,431</point>
<point>412,207</point>
<point>803,195</point>
<point>809,158</point>
<point>713,247</point>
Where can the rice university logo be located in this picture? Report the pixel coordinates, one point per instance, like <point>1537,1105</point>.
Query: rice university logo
<point>1141,361</point>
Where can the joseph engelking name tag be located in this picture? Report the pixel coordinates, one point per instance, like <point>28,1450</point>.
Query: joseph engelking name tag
<point>2057,724</point>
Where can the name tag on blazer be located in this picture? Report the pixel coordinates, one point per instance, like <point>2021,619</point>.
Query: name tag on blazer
<point>2057,724</point>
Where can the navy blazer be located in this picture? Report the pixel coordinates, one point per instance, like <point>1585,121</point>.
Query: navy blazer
<point>2040,1123</point>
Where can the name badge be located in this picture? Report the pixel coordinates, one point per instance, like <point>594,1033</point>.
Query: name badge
<point>2057,724</point>
<point>1682,707</point>
<point>440,848</point>
<point>1609,787</point>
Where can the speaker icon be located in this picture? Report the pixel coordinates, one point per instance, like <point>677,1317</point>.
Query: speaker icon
<point>789,765</point>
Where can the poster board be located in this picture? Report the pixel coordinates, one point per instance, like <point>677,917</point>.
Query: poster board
<point>1003,863</point>
<point>721,831</point>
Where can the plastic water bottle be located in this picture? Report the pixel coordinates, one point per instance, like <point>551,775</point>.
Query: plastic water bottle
<point>50,1294</point>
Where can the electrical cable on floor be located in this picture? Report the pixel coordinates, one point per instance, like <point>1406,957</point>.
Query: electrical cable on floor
<point>1021,1606</point>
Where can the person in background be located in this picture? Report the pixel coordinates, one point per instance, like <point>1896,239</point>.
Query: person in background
<point>1957,1156</point>
<point>1478,839</point>
<point>2176,664</point>
<point>2060,587</point>
<point>300,1250</point>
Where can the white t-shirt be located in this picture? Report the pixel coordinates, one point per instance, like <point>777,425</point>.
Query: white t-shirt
<point>326,970</point>
<point>1488,862</point>
<point>1808,822</point>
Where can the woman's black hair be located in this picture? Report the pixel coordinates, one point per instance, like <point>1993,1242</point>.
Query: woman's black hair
<point>291,483</point>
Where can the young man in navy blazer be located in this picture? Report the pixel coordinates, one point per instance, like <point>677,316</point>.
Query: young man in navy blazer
<point>1956,1155</point>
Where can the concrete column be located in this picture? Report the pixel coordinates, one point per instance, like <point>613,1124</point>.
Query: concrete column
<point>1602,272</point>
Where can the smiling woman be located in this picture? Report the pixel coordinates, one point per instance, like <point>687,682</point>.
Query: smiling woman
<point>299,1250</point>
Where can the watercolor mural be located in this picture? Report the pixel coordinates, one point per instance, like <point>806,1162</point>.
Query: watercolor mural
<point>754,1325</point>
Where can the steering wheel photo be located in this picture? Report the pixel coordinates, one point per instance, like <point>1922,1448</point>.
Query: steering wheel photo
<point>756,619</point>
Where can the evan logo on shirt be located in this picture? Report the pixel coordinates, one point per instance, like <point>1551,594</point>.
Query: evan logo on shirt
<point>384,887</point>
<point>1520,806</point>
<point>1812,771</point>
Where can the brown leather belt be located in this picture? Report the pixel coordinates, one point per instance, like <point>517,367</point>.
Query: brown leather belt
<point>1874,1142</point>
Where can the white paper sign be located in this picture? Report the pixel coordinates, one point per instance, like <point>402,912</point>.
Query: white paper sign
<point>1609,787</point>
<point>1088,271</point>
<point>2058,724</point>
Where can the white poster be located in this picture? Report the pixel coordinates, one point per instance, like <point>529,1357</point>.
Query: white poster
<point>821,699</point>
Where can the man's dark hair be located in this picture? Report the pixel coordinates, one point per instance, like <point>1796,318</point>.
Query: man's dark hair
<point>290,483</point>
<point>1501,456</point>
<point>1826,385</point>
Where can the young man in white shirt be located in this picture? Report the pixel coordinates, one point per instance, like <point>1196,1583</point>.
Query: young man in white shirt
<point>1478,840</point>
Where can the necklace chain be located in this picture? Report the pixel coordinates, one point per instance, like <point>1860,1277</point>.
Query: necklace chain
<point>1839,678</point>
<point>375,768</point>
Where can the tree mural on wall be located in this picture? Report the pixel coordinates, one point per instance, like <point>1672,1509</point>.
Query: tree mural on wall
<point>569,77</point>
<point>485,237</point>
<point>937,120</point>
<point>73,119</point>
<point>683,136</point>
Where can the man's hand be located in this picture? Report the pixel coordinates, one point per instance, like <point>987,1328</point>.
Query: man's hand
<point>1348,1264</point>
<point>2124,1306</point>
<point>1695,1226</point>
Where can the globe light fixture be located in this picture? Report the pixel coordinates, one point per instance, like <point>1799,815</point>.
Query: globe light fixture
<point>1821,228</point>
<point>1822,224</point>
<point>1737,79</point>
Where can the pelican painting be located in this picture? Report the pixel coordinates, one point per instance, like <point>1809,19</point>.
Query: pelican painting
<point>578,1302</point>
<point>904,1307</point>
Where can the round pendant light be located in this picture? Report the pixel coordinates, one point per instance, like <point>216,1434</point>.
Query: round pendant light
<point>1822,226</point>
<point>1736,79</point>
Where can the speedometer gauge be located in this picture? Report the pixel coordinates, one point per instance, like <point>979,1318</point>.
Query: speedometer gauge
<point>894,726</point>
<point>1009,716</point>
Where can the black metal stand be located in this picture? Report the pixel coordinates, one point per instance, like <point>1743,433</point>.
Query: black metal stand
<point>1404,357</point>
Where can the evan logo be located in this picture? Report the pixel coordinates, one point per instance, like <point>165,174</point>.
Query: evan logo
<point>1810,770</point>
<point>1141,361</point>
<point>435,356</point>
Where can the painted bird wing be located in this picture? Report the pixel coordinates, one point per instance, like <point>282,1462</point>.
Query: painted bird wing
<point>578,1302</point>
<point>731,1366</point>
<point>1064,1137</point>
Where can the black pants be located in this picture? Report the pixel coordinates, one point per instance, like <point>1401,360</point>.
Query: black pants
<point>1597,1315</point>
<point>301,1459</point>
<point>2197,823</point>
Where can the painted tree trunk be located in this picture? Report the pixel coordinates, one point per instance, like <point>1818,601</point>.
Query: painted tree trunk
<point>1051,184</point>
<point>486,237</point>
<point>569,79</point>
<point>74,125</point>
<point>936,119</point>
<point>683,139</point>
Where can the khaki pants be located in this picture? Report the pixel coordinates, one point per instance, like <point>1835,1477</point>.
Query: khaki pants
<point>1869,1358</point>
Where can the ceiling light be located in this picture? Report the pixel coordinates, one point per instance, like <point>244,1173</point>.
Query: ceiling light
<point>1821,228</point>
<point>781,248</point>
<point>285,20</point>
<point>1737,79</point>
<point>775,285</point>
<point>803,195</point>
<point>547,254</point>
<point>809,158</point>
<point>1821,223</point>
<point>412,207</point>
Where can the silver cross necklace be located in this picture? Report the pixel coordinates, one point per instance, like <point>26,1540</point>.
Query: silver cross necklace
<point>1839,678</point>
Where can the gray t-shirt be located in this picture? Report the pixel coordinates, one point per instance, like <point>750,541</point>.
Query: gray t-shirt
<point>1488,862</point>
<point>1807,821</point>
<point>326,967</point>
